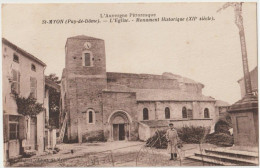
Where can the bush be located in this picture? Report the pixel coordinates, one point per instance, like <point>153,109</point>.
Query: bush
<point>192,134</point>
<point>220,139</point>
<point>222,126</point>
<point>186,134</point>
<point>158,140</point>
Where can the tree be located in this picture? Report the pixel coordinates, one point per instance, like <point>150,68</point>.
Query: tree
<point>53,78</point>
<point>54,102</point>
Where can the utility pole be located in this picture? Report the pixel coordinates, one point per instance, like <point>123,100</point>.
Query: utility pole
<point>239,22</point>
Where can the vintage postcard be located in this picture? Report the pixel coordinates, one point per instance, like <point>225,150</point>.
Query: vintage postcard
<point>130,84</point>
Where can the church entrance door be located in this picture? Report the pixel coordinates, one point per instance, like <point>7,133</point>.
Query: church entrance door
<point>119,132</point>
<point>120,128</point>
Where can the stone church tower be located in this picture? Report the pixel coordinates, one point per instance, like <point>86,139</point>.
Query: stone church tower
<point>84,78</point>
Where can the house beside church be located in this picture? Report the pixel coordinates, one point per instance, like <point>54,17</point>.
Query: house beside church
<point>124,106</point>
<point>23,74</point>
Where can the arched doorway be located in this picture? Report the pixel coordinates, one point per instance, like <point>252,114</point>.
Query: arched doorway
<point>119,123</point>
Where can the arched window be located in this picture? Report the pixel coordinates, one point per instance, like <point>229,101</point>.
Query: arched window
<point>33,67</point>
<point>184,112</point>
<point>15,58</point>
<point>90,116</point>
<point>145,114</point>
<point>206,113</point>
<point>167,113</point>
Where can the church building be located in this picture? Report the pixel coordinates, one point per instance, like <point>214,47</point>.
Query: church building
<point>124,106</point>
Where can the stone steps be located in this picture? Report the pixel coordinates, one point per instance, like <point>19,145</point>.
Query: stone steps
<point>236,161</point>
<point>226,157</point>
<point>230,152</point>
<point>210,161</point>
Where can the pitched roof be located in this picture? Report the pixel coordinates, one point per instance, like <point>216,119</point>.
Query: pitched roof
<point>169,95</point>
<point>83,37</point>
<point>23,52</point>
<point>220,103</point>
<point>180,78</point>
<point>165,75</point>
<point>156,123</point>
<point>143,95</point>
<point>52,84</point>
<point>255,70</point>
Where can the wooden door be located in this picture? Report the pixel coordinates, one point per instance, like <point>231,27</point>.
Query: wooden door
<point>115,132</point>
<point>121,132</point>
<point>33,133</point>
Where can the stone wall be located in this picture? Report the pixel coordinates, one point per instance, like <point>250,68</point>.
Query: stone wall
<point>84,94</point>
<point>157,109</point>
<point>74,56</point>
<point>120,101</point>
<point>84,85</point>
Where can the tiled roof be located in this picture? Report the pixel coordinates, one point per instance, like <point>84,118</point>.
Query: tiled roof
<point>163,95</point>
<point>165,75</point>
<point>52,84</point>
<point>180,78</point>
<point>169,95</point>
<point>165,123</point>
<point>156,123</point>
<point>255,70</point>
<point>83,37</point>
<point>23,52</point>
<point>220,103</point>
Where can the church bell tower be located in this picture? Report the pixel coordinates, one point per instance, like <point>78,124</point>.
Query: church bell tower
<point>86,78</point>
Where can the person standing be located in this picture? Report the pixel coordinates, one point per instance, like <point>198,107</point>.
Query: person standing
<point>172,139</point>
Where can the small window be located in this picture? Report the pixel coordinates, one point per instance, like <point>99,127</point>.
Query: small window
<point>90,116</point>
<point>15,86</point>
<point>206,113</point>
<point>145,114</point>
<point>184,112</point>
<point>33,85</point>
<point>167,113</point>
<point>33,67</point>
<point>87,59</point>
<point>16,58</point>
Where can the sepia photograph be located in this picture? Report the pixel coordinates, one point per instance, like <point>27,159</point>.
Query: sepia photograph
<point>129,84</point>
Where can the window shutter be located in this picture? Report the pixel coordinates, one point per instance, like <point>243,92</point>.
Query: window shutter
<point>6,128</point>
<point>35,88</point>
<point>18,82</point>
<point>14,76</point>
<point>22,130</point>
<point>33,84</point>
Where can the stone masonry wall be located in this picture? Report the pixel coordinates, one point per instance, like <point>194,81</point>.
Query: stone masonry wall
<point>84,85</point>
<point>120,101</point>
<point>74,60</point>
<point>157,109</point>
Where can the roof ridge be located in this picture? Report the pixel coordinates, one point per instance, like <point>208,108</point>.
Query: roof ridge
<point>84,37</point>
<point>22,51</point>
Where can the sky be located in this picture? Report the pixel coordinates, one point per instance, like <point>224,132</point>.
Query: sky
<point>205,51</point>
